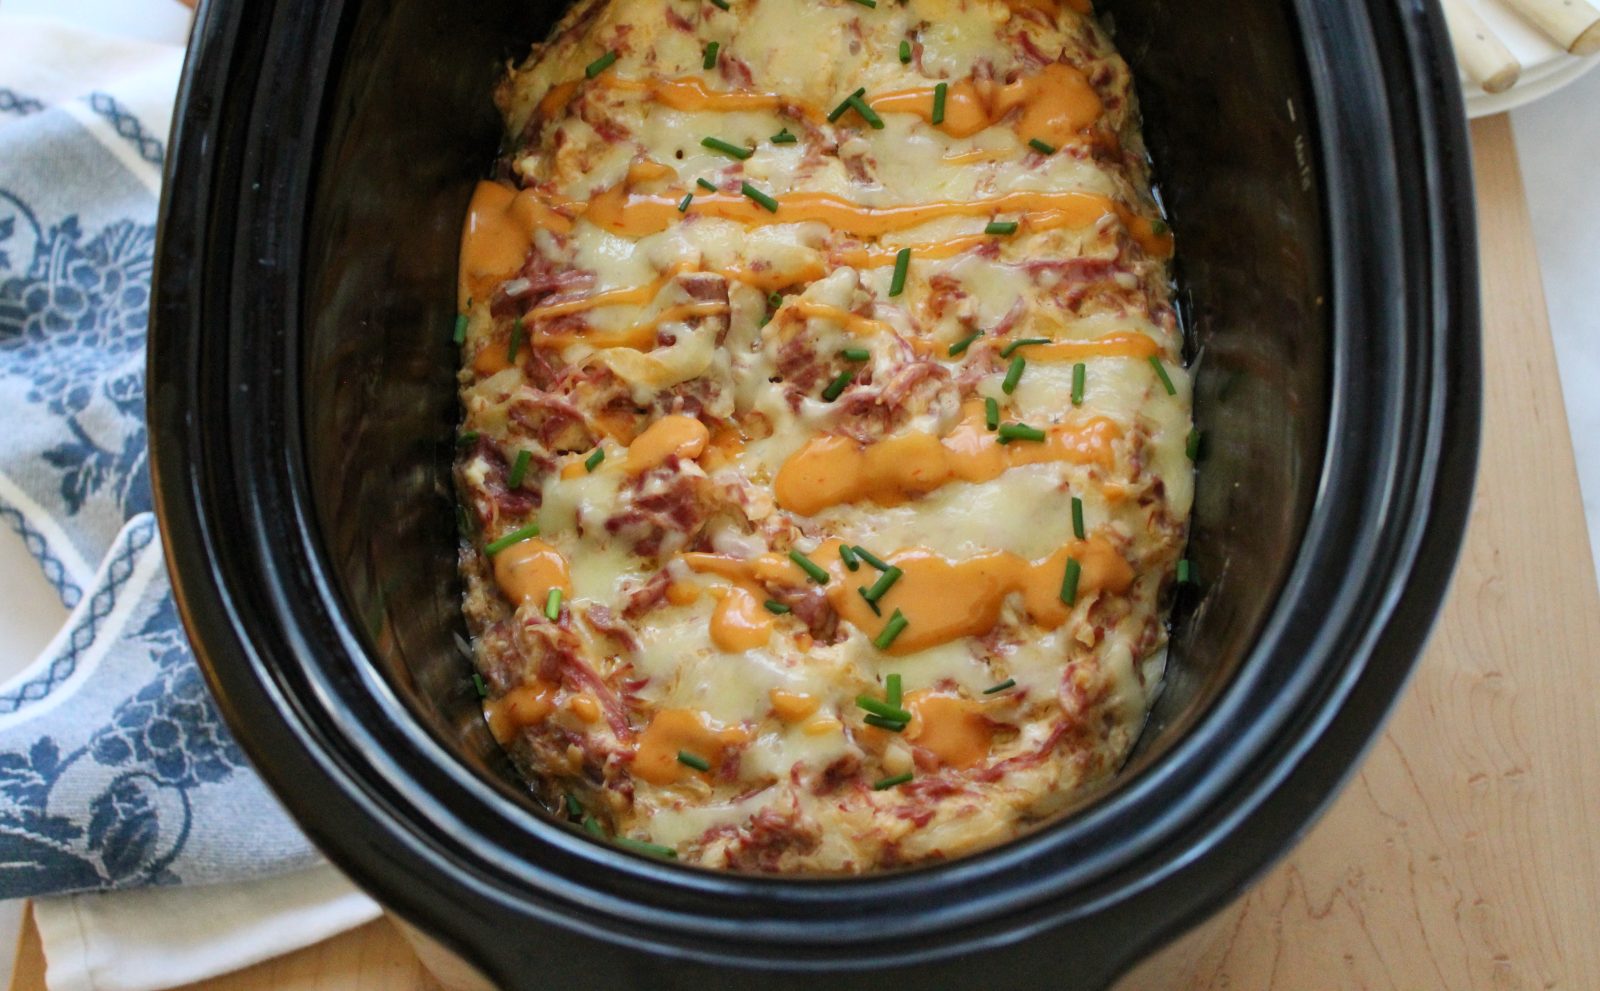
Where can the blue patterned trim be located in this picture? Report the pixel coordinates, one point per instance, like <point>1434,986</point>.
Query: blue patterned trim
<point>54,571</point>
<point>128,126</point>
<point>12,102</point>
<point>83,634</point>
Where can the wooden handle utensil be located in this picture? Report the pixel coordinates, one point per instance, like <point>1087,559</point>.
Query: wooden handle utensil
<point>1572,24</point>
<point>1480,51</point>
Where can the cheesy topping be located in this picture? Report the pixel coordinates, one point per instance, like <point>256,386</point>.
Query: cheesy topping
<point>824,460</point>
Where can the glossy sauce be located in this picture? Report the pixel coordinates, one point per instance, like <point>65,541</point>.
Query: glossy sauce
<point>682,436</point>
<point>672,730</point>
<point>527,571</point>
<point>526,705</point>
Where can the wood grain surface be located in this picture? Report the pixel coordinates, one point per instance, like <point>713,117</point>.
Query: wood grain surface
<point>1466,853</point>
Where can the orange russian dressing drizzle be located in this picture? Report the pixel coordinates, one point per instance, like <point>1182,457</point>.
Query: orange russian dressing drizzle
<point>527,571</point>
<point>526,705</point>
<point>679,435</point>
<point>688,730</point>
<point>1057,104</point>
<point>740,622</point>
<point>951,728</point>
<point>498,234</point>
<point>1121,344</point>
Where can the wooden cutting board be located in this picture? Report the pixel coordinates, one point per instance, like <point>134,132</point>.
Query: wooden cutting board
<point>1466,853</point>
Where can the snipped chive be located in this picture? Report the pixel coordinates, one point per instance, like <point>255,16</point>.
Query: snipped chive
<point>1020,431</point>
<point>710,60</point>
<point>1000,227</point>
<point>878,707</point>
<point>775,607</point>
<point>591,825</point>
<point>519,468</point>
<point>516,536</point>
<point>1080,373</point>
<point>574,807</point>
<point>1077,518</point>
<point>1186,575</point>
<point>1011,348</point>
<point>844,105</point>
<point>461,328</point>
<point>849,558</point>
<point>683,204</point>
<point>868,3</point>
<point>939,92</point>
<point>760,197</point>
<point>871,558</point>
<point>905,52</point>
<point>960,346</point>
<point>1161,373</point>
<point>1159,228</point>
<point>813,570</point>
<point>892,725</point>
<point>1192,446</point>
<point>893,689</point>
<point>600,64</point>
<point>1069,582</point>
<point>552,605</point>
<point>774,299</point>
<point>784,137</point>
<point>886,783</point>
<point>902,262</point>
<point>991,413</point>
<point>897,625</point>
<point>1041,147</point>
<point>720,4</point>
<point>862,591</point>
<point>1013,375</point>
<point>867,113</point>
<point>467,438</point>
<point>996,689</point>
<point>726,147</point>
<point>479,686</point>
<point>515,344</point>
<point>881,587</point>
<point>593,461</point>
<point>836,388</point>
<point>707,185</point>
<point>856,354</point>
<point>628,843</point>
<point>693,760</point>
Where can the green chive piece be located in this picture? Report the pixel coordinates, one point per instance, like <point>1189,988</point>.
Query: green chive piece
<point>516,536</point>
<point>902,262</point>
<point>939,92</point>
<point>461,328</point>
<point>1186,575</point>
<point>966,342</point>
<point>515,344</point>
<point>991,413</point>
<point>1069,582</point>
<point>1080,372</point>
<point>905,52</point>
<point>1159,228</point>
<point>708,186</point>
<point>628,843</point>
<point>879,707</point>
<point>683,204</point>
<point>861,590</point>
<point>1034,143</point>
<point>856,354</point>
<point>710,61</point>
<point>844,105</point>
<point>783,137</point>
<point>477,683</point>
<point>1011,348</point>
<point>591,825</point>
<point>720,4</point>
<point>887,783</point>
<point>574,807</point>
<point>836,388</point>
<point>892,725</point>
<point>1161,373</point>
<point>871,558</point>
<point>867,113</point>
<point>775,607</point>
<point>849,558</point>
<point>693,760</point>
<point>885,582</point>
<point>897,624</point>
<point>774,299</point>
<point>593,461</point>
<point>731,150</point>
<point>892,690</point>
<point>519,468</point>
<point>467,439</point>
<point>815,571</point>
<point>600,64</point>
<point>996,689</point>
<point>868,3</point>
<point>552,605</point>
<point>1000,227</point>
<point>1077,518</point>
<point>1020,431</point>
<point>1192,447</point>
<point>760,197</point>
<point>1013,375</point>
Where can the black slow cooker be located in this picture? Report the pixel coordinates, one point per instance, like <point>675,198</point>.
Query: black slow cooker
<point>1313,157</point>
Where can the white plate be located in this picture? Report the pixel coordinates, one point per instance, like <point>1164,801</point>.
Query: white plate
<point>1545,66</point>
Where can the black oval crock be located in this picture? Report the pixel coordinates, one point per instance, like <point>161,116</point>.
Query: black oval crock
<point>1314,161</point>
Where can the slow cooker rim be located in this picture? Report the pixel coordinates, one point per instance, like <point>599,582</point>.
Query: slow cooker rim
<point>182,500</point>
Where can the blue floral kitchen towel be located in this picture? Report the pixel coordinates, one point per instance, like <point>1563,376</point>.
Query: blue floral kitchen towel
<point>115,770</point>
